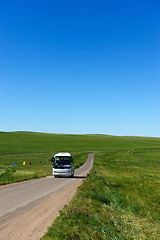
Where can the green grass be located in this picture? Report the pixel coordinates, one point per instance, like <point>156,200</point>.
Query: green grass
<point>10,174</point>
<point>120,199</point>
<point>28,142</point>
<point>14,143</point>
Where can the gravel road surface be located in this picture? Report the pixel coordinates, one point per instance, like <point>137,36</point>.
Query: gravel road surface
<point>27,209</point>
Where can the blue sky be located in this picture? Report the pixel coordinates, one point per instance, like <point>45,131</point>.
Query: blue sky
<point>80,67</point>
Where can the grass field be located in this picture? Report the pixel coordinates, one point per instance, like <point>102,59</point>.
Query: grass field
<point>28,142</point>
<point>119,200</point>
<point>16,147</point>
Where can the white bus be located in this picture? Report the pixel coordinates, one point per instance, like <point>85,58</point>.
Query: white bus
<point>62,165</point>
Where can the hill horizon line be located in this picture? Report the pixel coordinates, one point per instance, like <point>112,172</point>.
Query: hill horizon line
<point>79,134</point>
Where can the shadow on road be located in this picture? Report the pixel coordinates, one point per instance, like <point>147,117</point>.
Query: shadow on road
<point>71,177</point>
<point>79,177</point>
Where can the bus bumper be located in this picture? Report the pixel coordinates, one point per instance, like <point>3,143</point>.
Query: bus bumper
<point>63,172</point>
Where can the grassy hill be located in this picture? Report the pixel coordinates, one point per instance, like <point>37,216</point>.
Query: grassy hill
<point>31,142</point>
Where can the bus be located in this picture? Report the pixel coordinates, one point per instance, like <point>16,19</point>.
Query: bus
<point>62,165</point>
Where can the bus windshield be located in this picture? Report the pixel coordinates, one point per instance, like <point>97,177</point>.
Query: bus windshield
<point>62,161</point>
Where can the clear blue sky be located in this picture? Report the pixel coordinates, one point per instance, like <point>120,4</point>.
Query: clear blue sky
<point>80,66</point>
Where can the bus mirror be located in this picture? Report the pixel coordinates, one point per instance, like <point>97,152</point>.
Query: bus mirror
<point>52,159</point>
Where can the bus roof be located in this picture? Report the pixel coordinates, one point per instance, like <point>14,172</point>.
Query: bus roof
<point>62,155</point>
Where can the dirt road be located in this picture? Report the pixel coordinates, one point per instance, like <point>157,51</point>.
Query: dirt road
<point>27,209</point>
